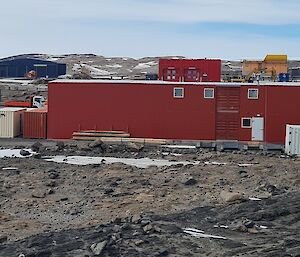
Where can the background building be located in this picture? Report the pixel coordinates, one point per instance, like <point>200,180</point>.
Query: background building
<point>269,68</point>
<point>15,67</point>
<point>190,70</point>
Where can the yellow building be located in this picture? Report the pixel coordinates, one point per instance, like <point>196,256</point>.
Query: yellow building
<point>271,66</point>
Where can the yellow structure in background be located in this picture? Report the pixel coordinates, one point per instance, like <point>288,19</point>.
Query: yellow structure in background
<point>271,66</point>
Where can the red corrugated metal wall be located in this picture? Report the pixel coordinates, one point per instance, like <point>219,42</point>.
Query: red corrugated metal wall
<point>282,107</point>
<point>150,110</point>
<point>201,66</point>
<point>228,113</point>
<point>35,124</point>
<point>144,110</point>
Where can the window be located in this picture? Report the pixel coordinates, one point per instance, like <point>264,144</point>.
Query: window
<point>252,93</point>
<point>171,74</point>
<point>178,92</point>
<point>246,122</point>
<point>209,93</point>
<point>192,74</point>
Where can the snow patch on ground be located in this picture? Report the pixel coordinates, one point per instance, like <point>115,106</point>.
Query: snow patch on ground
<point>200,234</point>
<point>11,153</point>
<point>140,163</point>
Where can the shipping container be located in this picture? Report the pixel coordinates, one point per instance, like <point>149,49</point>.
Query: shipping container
<point>284,77</point>
<point>35,123</point>
<point>151,76</point>
<point>292,140</point>
<point>11,122</point>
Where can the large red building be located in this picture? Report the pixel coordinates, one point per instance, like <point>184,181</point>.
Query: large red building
<point>170,110</point>
<point>190,70</point>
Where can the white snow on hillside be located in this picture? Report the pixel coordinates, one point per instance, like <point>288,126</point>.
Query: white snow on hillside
<point>114,66</point>
<point>95,71</point>
<point>146,65</point>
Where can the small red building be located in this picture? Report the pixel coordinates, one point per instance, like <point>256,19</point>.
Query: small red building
<point>190,70</point>
<point>172,110</point>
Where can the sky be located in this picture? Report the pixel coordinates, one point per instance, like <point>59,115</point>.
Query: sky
<point>227,29</point>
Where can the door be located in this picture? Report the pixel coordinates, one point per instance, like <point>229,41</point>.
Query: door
<point>228,113</point>
<point>257,129</point>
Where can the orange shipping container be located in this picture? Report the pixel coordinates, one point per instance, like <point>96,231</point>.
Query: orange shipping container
<point>35,124</point>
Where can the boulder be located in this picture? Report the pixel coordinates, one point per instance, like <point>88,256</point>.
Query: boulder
<point>25,153</point>
<point>189,181</point>
<point>229,197</point>
<point>98,248</point>
<point>133,147</point>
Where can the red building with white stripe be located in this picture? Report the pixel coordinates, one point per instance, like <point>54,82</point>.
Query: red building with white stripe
<point>171,110</point>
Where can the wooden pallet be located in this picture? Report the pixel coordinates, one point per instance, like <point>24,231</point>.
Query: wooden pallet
<point>101,134</point>
<point>149,141</point>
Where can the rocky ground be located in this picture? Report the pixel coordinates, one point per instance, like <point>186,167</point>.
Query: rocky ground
<point>234,203</point>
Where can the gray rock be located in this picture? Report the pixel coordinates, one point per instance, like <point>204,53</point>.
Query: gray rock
<point>148,228</point>
<point>98,248</point>
<point>133,147</point>
<point>3,239</point>
<point>136,218</point>
<point>98,144</point>
<point>230,196</point>
<point>138,242</point>
<point>53,174</point>
<point>25,152</point>
<point>38,194</point>
<point>37,147</point>
<point>190,181</point>
<point>60,146</point>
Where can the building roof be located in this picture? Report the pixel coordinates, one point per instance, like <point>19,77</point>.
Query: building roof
<point>12,109</point>
<point>155,82</point>
<point>22,58</point>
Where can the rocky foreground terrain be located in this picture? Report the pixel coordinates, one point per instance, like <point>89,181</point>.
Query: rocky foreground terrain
<point>220,204</point>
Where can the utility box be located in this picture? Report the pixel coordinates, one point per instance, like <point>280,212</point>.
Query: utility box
<point>11,122</point>
<point>292,140</point>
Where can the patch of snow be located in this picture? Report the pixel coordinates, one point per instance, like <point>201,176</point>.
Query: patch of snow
<point>174,154</point>
<point>216,163</point>
<point>221,226</point>
<point>11,153</point>
<point>114,66</point>
<point>263,227</point>
<point>76,67</point>
<point>245,164</point>
<point>254,199</point>
<point>140,163</point>
<point>10,168</point>
<point>179,146</point>
<point>200,234</point>
<point>95,71</point>
<point>146,65</point>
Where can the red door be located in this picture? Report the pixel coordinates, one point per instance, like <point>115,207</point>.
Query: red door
<point>228,113</point>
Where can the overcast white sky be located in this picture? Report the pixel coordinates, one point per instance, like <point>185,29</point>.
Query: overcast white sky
<point>233,29</point>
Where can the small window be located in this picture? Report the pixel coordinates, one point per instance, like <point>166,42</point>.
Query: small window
<point>209,93</point>
<point>178,92</point>
<point>252,93</point>
<point>171,74</point>
<point>246,122</point>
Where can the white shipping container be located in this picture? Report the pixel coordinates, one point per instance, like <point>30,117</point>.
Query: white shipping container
<point>292,140</point>
<point>11,120</point>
